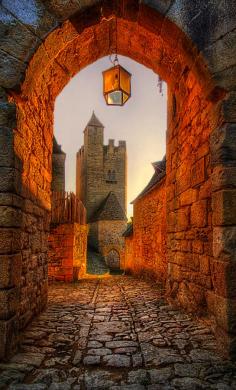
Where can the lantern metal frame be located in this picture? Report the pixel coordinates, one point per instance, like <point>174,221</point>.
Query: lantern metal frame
<point>105,94</point>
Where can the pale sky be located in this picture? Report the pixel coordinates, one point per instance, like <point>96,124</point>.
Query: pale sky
<point>141,122</point>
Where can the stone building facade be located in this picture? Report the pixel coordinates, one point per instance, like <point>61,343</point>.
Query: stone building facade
<point>67,252</point>
<point>67,239</point>
<point>107,226</point>
<point>100,169</point>
<point>145,239</point>
<point>101,185</point>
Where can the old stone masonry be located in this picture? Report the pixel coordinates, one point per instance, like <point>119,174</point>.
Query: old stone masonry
<point>116,333</point>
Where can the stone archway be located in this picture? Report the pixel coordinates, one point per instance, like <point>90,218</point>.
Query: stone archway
<point>199,68</point>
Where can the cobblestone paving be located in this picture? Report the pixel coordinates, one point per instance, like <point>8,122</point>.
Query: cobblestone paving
<point>116,333</point>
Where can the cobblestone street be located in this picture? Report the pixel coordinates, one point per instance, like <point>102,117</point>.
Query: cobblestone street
<point>116,333</point>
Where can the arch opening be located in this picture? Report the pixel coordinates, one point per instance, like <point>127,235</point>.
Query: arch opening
<point>194,113</point>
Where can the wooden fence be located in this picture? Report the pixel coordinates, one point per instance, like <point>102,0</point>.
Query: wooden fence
<point>67,208</point>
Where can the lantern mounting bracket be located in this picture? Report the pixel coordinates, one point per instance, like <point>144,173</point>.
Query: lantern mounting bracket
<point>114,61</point>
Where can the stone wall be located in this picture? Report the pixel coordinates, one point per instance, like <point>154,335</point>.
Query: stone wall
<point>58,172</point>
<point>192,46</point>
<point>146,248</point>
<point>129,255</point>
<point>94,162</point>
<point>108,236</point>
<point>189,197</point>
<point>67,253</point>
<point>115,161</point>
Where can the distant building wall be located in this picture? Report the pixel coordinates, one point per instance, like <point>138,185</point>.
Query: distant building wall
<point>110,238</point>
<point>58,168</point>
<point>106,236</point>
<point>146,249</point>
<point>129,260</point>
<point>67,254</point>
<point>100,169</point>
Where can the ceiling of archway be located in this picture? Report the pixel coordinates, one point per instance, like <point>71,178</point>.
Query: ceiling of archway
<point>25,24</point>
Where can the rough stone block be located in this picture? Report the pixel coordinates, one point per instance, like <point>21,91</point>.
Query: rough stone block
<point>199,214</point>
<point>228,107</point>
<point>160,6</point>
<point>186,246</point>
<point>223,145</point>
<point>206,23</point>
<point>10,180</point>
<point>186,260</point>
<point>8,337</point>
<point>10,240</point>
<point>221,54</point>
<point>16,39</point>
<point>64,10</point>
<point>174,272</point>
<point>224,311</point>
<point>7,155</point>
<point>8,199</point>
<point>10,217</point>
<point>9,303</point>
<point>224,239</point>
<point>202,150</point>
<point>13,71</point>
<point>3,95</point>
<point>190,296</point>
<point>205,190</point>
<point>223,177</point>
<point>197,246</point>
<point>198,172</point>
<point>183,183</point>
<point>224,278</point>
<point>171,221</point>
<point>33,15</point>
<point>10,275</point>
<point>224,207</point>
<point>7,119</point>
<point>188,197</point>
<point>204,262</point>
<point>224,78</point>
<point>182,222</point>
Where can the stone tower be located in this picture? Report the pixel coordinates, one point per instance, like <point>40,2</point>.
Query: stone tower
<point>100,169</point>
<point>58,168</point>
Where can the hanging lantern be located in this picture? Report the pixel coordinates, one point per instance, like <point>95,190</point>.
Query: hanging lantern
<point>116,85</point>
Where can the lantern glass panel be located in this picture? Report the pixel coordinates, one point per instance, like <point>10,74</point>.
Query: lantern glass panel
<point>115,98</point>
<point>111,79</point>
<point>125,80</point>
<point>125,98</point>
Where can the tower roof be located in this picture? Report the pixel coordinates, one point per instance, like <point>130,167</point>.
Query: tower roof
<point>109,210</point>
<point>129,230</point>
<point>94,121</point>
<point>56,147</point>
